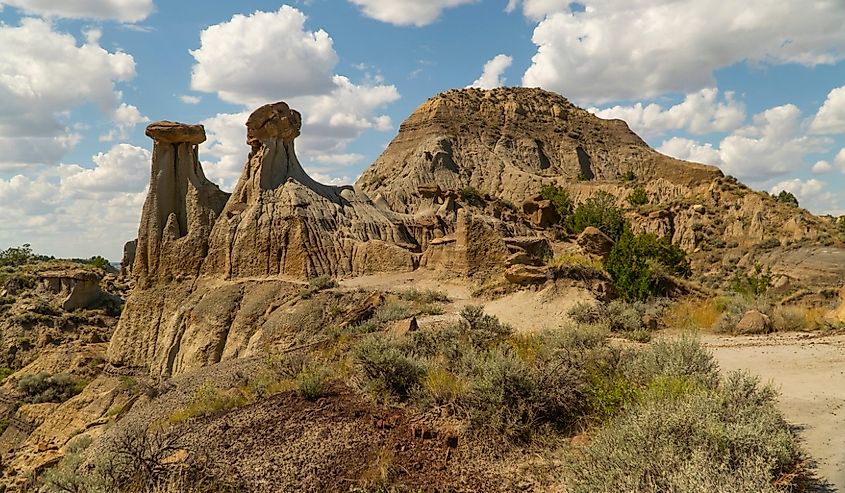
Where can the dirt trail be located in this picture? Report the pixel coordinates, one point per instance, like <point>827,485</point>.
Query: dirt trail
<point>810,373</point>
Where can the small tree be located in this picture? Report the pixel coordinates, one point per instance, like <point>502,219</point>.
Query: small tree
<point>599,211</point>
<point>788,198</point>
<point>559,198</point>
<point>16,256</point>
<point>638,197</point>
<point>641,265</point>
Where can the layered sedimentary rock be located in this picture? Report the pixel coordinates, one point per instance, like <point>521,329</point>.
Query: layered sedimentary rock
<point>180,209</point>
<point>210,266</point>
<point>508,142</point>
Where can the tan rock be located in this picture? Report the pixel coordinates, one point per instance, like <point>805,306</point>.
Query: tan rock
<point>73,289</point>
<point>754,322</point>
<point>526,274</point>
<point>594,242</point>
<point>403,327</point>
<point>167,132</point>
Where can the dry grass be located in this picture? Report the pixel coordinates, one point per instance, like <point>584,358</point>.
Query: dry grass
<point>576,259</point>
<point>443,386</point>
<point>798,318</point>
<point>693,314</point>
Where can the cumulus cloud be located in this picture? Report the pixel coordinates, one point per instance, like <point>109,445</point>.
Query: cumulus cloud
<point>775,143</point>
<point>700,113</point>
<point>623,49</point>
<point>407,12</point>
<point>812,195</point>
<point>253,59</point>
<point>491,75</point>
<point>36,65</point>
<point>335,110</point>
<point>537,9</point>
<point>125,118</point>
<point>831,116</point>
<point>118,10</point>
<point>188,99</point>
<point>74,210</point>
<point>821,167</point>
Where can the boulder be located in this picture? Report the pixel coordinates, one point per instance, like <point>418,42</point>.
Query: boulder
<point>73,289</point>
<point>594,242</point>
<point>403,327</point>
<point>754,322</point>
<point>541,213</point>
<point>526,275</point>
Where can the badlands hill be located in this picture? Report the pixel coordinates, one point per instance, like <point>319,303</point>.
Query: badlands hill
<point>224,284</point>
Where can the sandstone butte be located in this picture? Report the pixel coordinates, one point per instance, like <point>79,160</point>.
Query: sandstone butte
<point>211,268</point>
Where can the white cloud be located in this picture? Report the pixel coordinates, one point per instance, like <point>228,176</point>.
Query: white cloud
<point>491,76</point>
<point>119,10</point>
<point>258,58</point>
<point>623,49</point>
<point>335,110</point>
<point>812,195</point>
<point>821,167</point>
<point>537,9</point>
<point>407,12</point>
<point>831,116</point>
<point>774,144</point>
<point>839,160</point>
<point>76,211</point>
<point>689,150</point>
<point>45,74</point>
<point>188,99</point>
<point>125,118</point>
<point>700,113</point>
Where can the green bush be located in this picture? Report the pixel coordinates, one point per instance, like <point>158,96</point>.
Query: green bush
<point>386,367</point>
<point>640,265</point>
<point>311,382</point>
<point>17,256</point>
<point>788,198</point>
<point>483,329</point>
<point>730,439</point>
<point>629,176</point>
<point>43,387</point>
<point>599,211</point>
<point>472,196</point>
<point>99,262</point>
<point>316,285</point>
<point>638,197</point>
<point>559,198</point>
<point>683,357</point>
<point>424,296</point>
<point>753,284</point>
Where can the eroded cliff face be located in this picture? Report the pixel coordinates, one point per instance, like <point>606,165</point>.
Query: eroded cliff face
<point>212,267</point>
<point>508,142</point>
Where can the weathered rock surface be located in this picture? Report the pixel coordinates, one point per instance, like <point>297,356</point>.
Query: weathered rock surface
<point>526,274</point>
<point>509,142</point>
<point>754,322</point>
<point>73,289</point>
<point>592,241</point>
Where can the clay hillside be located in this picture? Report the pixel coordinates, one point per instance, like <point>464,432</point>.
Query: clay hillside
<point>472,315</point>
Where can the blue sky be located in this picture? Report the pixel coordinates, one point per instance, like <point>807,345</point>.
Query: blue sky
<point>755,87</point>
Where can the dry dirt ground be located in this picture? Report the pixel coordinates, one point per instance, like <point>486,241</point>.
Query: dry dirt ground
<point>810,374</point>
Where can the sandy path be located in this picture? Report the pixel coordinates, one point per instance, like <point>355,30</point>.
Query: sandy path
<point>810,372</point>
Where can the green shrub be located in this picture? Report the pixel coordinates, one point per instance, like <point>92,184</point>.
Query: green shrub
<point>17,256</point>
<point>609,392</point>
<point>584,312</point>
<point>754,284</point>
<point>472,196</point>
<point>629,176</point>
<point>559,198</point>
<point>683,357</point>
<point>43,387</point>
<point>316,285</point>
<point>311,381</point>
<point>209,400</point>
<point>424,296</point>
<point>638,197</point>
<point>99,262</point>
<point>386,367</point>
<point>788,198</point>
<point>640,265</point>
<point>599,211</point>
<point>725,440</point>
<point>483,329</point>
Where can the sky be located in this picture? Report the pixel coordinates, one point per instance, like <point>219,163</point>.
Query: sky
<point>755,87</point>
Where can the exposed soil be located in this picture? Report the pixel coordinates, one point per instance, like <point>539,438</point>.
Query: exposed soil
<point>339,443</point>
<point>809,370</point>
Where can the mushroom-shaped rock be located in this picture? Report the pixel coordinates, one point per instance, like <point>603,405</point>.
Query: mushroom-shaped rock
<point>273,121</point>
<point>167,132</point>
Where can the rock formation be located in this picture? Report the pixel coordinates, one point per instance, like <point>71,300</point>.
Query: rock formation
<point>73,289</point>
